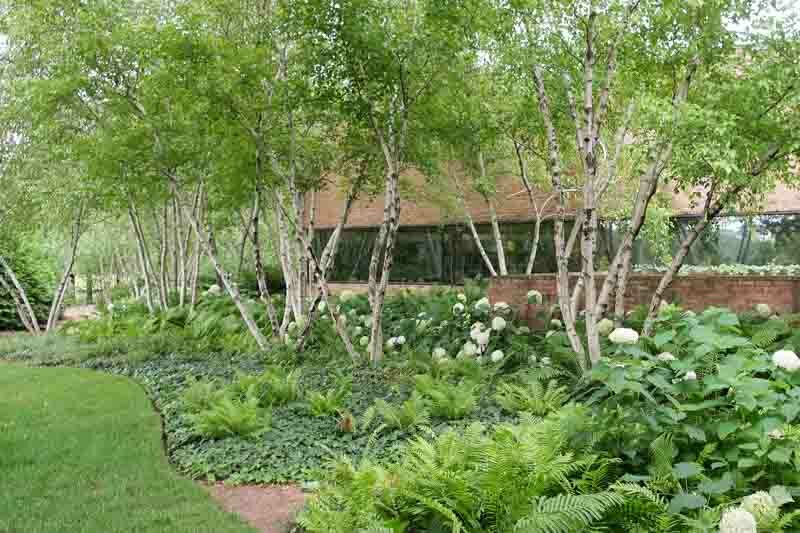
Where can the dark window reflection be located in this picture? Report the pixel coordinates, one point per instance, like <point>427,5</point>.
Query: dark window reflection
<point>448,254</point>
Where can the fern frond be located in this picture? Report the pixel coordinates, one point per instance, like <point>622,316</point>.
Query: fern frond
<point>566,513</point>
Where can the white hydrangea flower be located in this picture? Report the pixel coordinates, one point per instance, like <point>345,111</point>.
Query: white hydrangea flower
<point>787,360</point>
<point>401,340</point>
<point>624,336</point>
<point>498,323</point>
<point>480,326</point>
<point>110,308</point>
<point>482,338</point>
<point>665,357</point>
<point>605,326</point>
<point>737,520</point>
<point>470,349</point>
<point>461,297</point>
<point>321,307</point>
<point>523,330</point>
<point>363,341</point>
<point>439,353</point>
<point>556,323</point>
<point>534,297</point>
<point>497,356</point>
<point>776,434</point>
<point>691,375</point>
<point>391,343</point>
<point>763,310</point>
<point>214,290</point>
<point>761,505</point>
<point>458,308</point>
<point>483,305</point>
<point>358,331</point>
<point>502,307</point>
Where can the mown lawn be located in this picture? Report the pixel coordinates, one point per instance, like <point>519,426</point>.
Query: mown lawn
<point>81,451</point>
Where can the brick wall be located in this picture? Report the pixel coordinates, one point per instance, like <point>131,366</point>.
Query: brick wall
<point>692,291</point>
<point>430,204</point>
<point>336,288</point>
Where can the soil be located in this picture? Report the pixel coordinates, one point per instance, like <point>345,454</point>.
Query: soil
<point>268,508</point>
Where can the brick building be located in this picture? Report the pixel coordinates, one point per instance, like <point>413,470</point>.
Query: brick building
<point>434,244</point>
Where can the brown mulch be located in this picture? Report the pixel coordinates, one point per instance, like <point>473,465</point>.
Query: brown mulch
<point>268,508</point>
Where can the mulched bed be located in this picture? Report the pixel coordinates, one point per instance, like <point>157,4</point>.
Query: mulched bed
<point>268,508</point>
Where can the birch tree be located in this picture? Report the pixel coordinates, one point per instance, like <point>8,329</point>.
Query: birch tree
<point>378,62</point>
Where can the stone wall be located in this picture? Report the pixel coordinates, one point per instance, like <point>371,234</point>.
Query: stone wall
<point>692,291</point>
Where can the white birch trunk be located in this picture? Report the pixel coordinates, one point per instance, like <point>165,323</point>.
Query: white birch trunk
<point>21,293</point>
<point>263,289</point>
<point>384,245</point>
<point>496,235</point>
<point>20,306</point>
<point>471,225</point>
<point>562,260</point>
<point>144,261</point>
<point>58,299</point>
<point>205,242</point>
<point>163,285</point>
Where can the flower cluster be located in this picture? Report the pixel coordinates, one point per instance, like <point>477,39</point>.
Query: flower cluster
<point>605,326</point>
<point>213,290</point>
<point>624,336</point>
<point>737,520</point>
<point>534,297</point>
<point>763,310</point>
<point>483,305</point>
<point>787,360</point>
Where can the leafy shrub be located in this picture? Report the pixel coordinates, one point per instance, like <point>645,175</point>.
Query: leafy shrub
<point>447,400</point>
<point>227,417</point>
<point>729,270</point>
<point>30,270</point>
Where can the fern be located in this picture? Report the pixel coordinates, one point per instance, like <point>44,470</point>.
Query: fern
<point>769,332</point>
<point>533,396</point>
<point>227,417</point>
<point>329,402</point>
<point>565,513</point>
<point>201,395</point>
<point>447,400</point>
<point>410,414</point>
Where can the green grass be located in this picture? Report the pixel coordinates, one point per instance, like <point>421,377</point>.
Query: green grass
<point>81,451</point>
